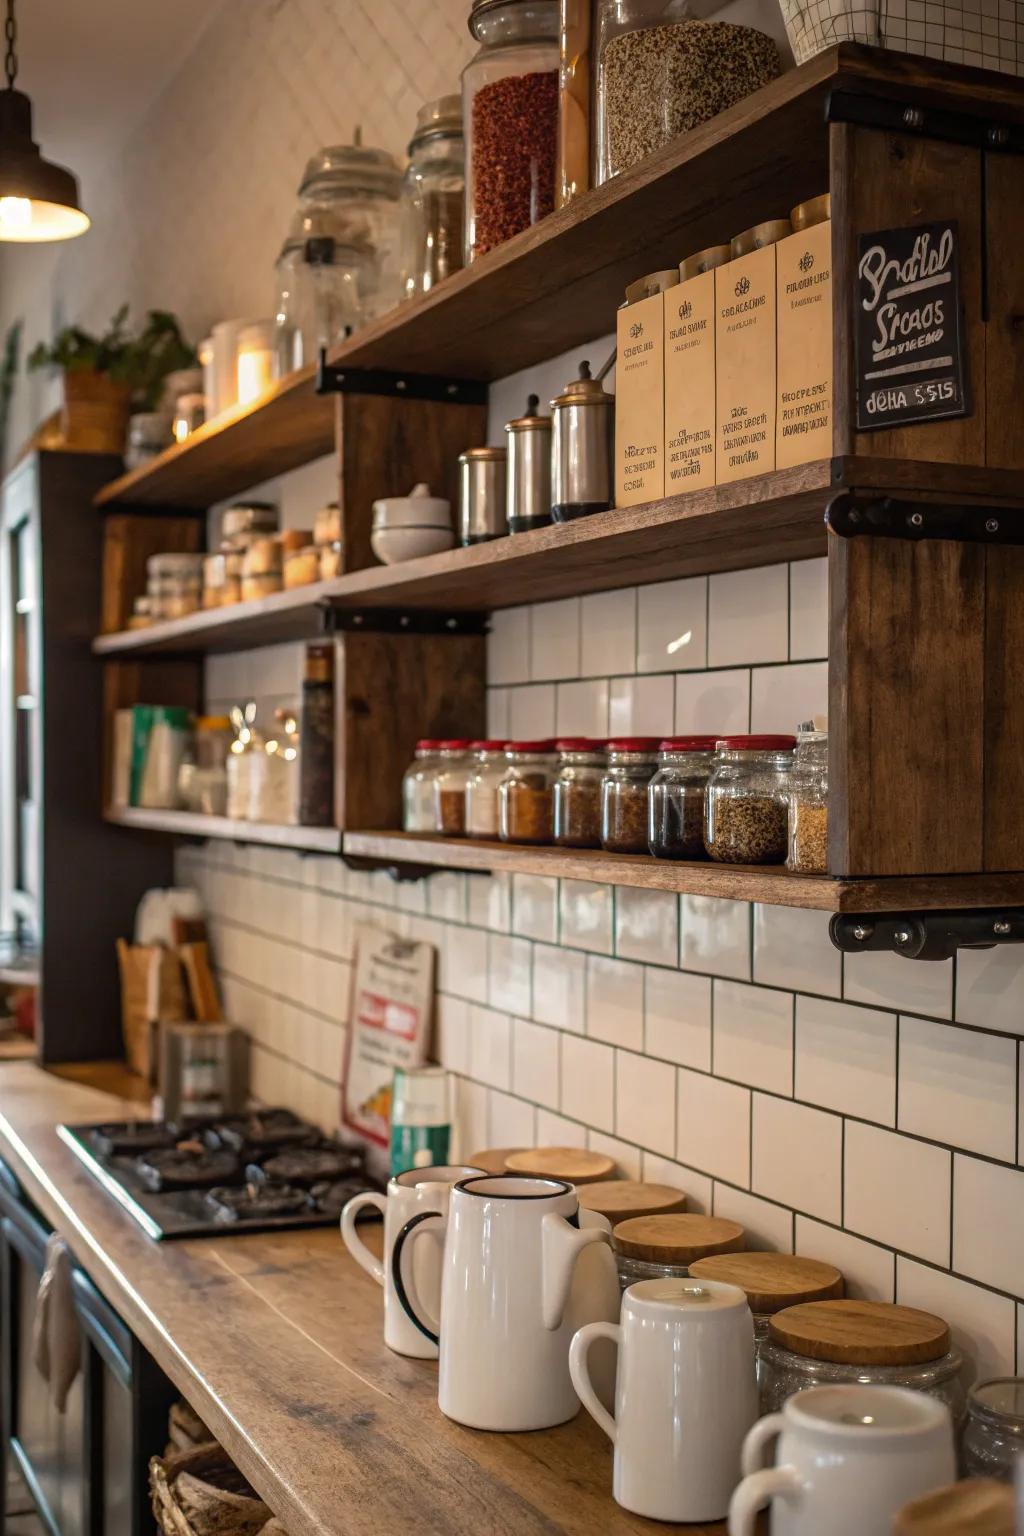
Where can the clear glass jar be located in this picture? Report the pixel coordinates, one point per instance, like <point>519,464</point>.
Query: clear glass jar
<point>418,788</point>
<point>631,1270</point>
<point>675,797</point>
<point>256,360</point>
<point>449,787</point>
<point>808,804</point>
<point>577,792</point>
<point>291,307</point>
<point>336,280</point>
<point>349,193</point>
<point>433,198</point>
<point>525,796</point>
<point>510,109</point>
<point>486,772</point>
<point>993,1440</point>
<point>632,764</point>
<point>746,819</point>
<point>782,1372</point>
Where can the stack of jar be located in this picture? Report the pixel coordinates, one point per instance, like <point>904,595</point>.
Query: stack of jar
<point>174,584</point>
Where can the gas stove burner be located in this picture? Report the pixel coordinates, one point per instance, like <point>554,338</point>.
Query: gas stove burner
<point>263,1131</point>
<point>332,1195</point>
<point>312,1165</point>
<point>257,1202</point>
<point>129,1137</point>
<point>189,1165</point>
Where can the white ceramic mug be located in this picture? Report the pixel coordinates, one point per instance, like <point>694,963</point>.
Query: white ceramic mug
<point>848,1457</point>
<point>508,1305</point>
<point>685,1397</point>
<point>409,1193</point>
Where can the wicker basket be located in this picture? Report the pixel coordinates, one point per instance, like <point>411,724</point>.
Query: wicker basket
<point>185,1429</point>
<point>202,1493</point>
<point>954,30</point>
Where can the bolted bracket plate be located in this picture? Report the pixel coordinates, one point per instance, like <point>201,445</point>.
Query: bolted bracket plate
<point>401,872</point>
<point>976,130</point>
<point>339,620</point>
<point>927,935</point>
<point>851,515</point>
<point>335,379</point>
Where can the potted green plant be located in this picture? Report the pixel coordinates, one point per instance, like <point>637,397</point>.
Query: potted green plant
<point>107,377</point>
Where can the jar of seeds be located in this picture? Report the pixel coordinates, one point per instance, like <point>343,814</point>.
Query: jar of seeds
<point>746,816</point>
<point>808,803</point>
<point>449,787</point>
<point>675,797</point>
<point>525,793</point>
<point>577,792</point>
<point>486,772</point>
<point>632,764</point>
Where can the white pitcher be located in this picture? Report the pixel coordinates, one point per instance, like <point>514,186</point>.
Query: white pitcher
<point>686,1396</point>
<point>510,1250</point>
<point>409,1193</point>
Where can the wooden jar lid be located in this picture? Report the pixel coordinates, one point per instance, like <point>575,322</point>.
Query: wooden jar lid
<point>492,1159</point>
<point>773,1280</point>
<point>861,1333</point>
<point>677,1239</point>
<point>978,1507</point>
<point>570,1163</point>
<point>620,1199</point>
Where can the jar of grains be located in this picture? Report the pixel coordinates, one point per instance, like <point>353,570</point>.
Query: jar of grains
<point>632,763</point>
<point>449,787</point>
<point>808,803</point>
<point>510,109</point>
<point>577,792</point>
<point>994,1434</point>
<point>418,788</point>
<point>431,239</point>
<point>486,771</point>
<point>675,797</point>
<point>525,793</point>
<point>746,814</point>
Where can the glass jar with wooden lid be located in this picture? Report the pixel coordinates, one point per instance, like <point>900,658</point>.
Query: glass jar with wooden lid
<point>573,1164</point>
<point>977,1507</point>
<point>772,1281</point>
<point>664,1247</point>
<point>823,1343</point>
<point>994,1432</point>
<point>627,1199</point>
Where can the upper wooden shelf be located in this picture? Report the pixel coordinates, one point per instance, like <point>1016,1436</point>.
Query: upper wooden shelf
<point>189,824</point>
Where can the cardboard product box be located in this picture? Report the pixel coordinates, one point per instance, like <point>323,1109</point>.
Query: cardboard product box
<point>804,386</point>
<point>640,401</point>
<point>690,385</point>
<point>745,309</point>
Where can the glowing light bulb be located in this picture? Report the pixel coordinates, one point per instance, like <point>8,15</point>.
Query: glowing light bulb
<point>15,212</point>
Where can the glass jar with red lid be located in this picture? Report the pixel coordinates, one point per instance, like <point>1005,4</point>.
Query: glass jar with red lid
<point>453,764</point>
<point>746,817</point>
<point>632,764</point>
<point>525,792</point>
<point>487,764</point>
<point>418,788</point>
<point>675,797</point>
<point>577,791</point>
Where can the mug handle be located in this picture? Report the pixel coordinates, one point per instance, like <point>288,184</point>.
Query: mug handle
<point>756,1442</point>
<point>756,1491</point>
<point>350,1237</point>
<point>405,1286</point>
<point>578,1351</point>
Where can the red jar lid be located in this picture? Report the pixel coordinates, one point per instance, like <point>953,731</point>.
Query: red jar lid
<point>580,744</point>
<point>689,744</point>
<point>758,743</point>
<point>634,744</point>
<point>427,744</point>
<point>531,746</point>
<point>488,746</point>
<point>456,744</point>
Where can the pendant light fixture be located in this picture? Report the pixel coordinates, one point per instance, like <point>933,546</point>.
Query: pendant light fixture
<point>38,200</point>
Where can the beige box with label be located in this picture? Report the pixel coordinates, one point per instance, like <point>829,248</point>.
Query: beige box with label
<point>804,299</point>
<point>690,385</point>
<point>745,366</point>
<point>640,402</point>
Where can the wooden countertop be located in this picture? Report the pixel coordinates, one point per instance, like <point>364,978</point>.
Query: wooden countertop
<point>276,1342</point>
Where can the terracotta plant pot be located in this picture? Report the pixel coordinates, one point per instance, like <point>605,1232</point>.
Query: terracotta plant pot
<point>94,418</point>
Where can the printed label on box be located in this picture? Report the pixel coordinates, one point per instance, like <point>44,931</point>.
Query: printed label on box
<point>640,402</point>
<point>804,404</point>
<point>690,385</point>
<point>745,357</point>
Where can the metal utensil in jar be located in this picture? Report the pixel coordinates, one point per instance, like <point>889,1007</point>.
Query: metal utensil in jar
<point>529,469</point>
<point>482,495</point>
<point>581,448</point>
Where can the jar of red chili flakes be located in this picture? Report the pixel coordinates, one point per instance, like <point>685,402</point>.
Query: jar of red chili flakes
<point>510,110</point>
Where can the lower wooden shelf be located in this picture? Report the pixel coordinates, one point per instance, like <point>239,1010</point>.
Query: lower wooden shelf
<point>735,882</point>
<point>190,824</point>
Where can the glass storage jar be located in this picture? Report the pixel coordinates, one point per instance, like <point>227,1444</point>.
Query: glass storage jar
<point>808,1345</point>
<point>336,282</point>
<point>664,1247</point>
<point>808,803</point>
<point>486,772</point>
<point>349,193</point>
<point>291,307</point>
<point>746,818</point>
<point>525,793</point>
<point>675,797</point>
<point>993,1440</point>
<point>772,1282</point>
<point>453,768</point>
<point>632,763</point>
<point>418,788</point>
<point>577,792</point>
<point>510,109</point>
<point>433,198</point>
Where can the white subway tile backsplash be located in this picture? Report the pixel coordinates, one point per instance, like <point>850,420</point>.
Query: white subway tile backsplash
<point>890,981</point>
<point>748,616</point>
<point>555,640</point>
<point>531,712</point>
<point>509,962</point>
<point>897,1191</point>
<point>615,1001</point>
<point>497,714</point>
<point>869,1271</point>
<point>640,706</point>
<point>647,926</point>
<point>588,1082</point>
<point>469,1125</point>
<point>451,1033</point>
<point>797,1156</point>
<point>959,1085</point>
<point>464,967</point>
<point>508,647</point>
<point>767,1226</point>
<point>988,1223</point>
<point>645,1102</point>
<point>672,626</point>
<point>990,988</point>
<point>586,915</point>
<point>556,1131</point>
<point>581,709</point>
<point>535,1063</point>
<point>713,703</point>
<point>535,907</point>
<point>808,609</point>
<point>753,1035</point>
<point>559,987</point>
<point>697,1187</point>
<point>677,1017</point>
<point>628,1159</point>
<point>781,698</point>
<point>715,936</point>
<point>510,1122</point>
<point>713,1127</point>
<point>846,1058</point>
<point>792,949</point>
<point>447,896</point>
<point>608,633</point>
<point>490,1047</point>
<point>489,901</point>
<point>981,1323</point>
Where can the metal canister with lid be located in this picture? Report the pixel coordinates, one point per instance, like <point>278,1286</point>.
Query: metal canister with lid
<point>758,236</point>
<point>529,469</point>
<point>664,1247</point>
<point>772,1281</point>
<point>482,495</point>
<point>582,476</point>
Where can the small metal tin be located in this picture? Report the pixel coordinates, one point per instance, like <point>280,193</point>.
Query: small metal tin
<point>582,475</point>
<point>482,495</point>
<point>529,469</point>
<point>815,211</point>
<point>704,261</point>
<point>759,236</point>
<point>654,282</point>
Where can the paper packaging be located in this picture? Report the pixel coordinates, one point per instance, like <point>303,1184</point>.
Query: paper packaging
<point>640,397</point>
<point>690,385</point>
<point>745,363</point>
<point>804,293</point>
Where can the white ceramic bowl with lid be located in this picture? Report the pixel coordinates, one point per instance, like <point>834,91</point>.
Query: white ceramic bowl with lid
<point>393,545</point>
<point>417,510</point>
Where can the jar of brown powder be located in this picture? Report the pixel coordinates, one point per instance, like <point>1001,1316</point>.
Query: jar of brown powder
<point>454,765</point>
<point>577,792</point>
<point>632,764</point>
<point>525,793</point>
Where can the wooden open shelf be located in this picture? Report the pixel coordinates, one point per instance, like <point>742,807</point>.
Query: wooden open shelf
<point>735,882</point>
<point>188,824</point>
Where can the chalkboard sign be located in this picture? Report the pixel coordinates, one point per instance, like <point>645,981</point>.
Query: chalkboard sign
<point>911,363</point>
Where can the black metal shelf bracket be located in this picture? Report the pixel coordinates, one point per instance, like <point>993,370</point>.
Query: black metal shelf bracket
<point>927,935</point>
<point>335,379</point>
<point>341,620</point>
<point>895,116</point>
<point>397,869</point>
<point>852,514</point>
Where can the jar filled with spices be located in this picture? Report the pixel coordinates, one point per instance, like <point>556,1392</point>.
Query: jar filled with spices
<point>316,757</point>
<point>433,197</point>
<point>746,817</point>
<point>577,792</point>
<point>664,1247</point>
<point>525,793</point>
<point>486,771</point>
<point>510,108</point>
<point>808,803</point>
<point>453,770</point>
<point>994,1433</point>
<point>675,797</point>
<point>632,764</point>
<point>418,788</point>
